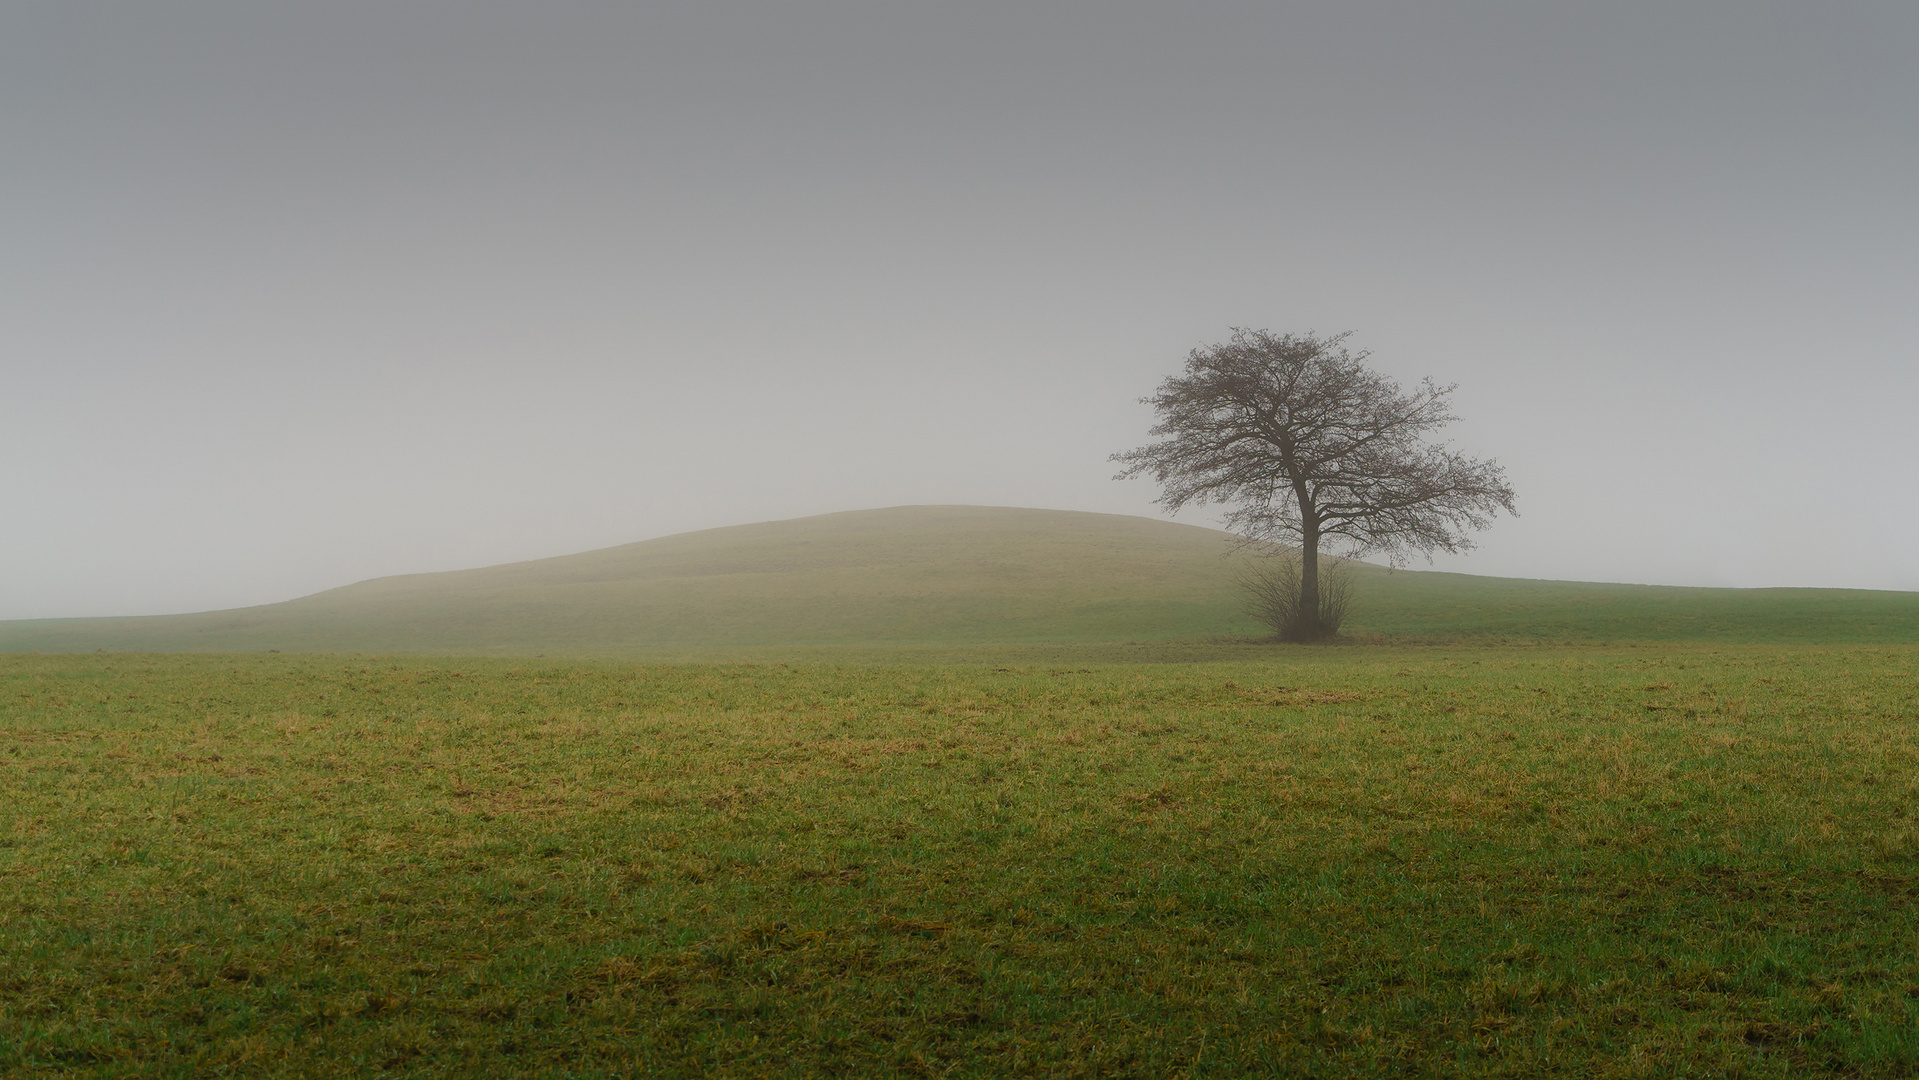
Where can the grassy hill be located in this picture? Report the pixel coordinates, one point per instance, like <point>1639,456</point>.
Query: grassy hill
<point>942,576</point>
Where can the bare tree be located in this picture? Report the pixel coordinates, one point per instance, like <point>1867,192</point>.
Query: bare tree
<point>1309,446</point>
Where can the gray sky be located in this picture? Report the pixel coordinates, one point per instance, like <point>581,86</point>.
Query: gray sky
<point>297,295</point>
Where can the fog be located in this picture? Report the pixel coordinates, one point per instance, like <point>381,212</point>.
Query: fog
<point>297,295</point>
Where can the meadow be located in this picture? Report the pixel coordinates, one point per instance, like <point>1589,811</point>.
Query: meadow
<point>1628,860</point>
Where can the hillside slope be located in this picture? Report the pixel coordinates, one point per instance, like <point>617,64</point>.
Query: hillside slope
<point>944,575</point>
<point>926,574</point>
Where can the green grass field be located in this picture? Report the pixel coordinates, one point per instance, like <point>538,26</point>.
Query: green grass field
<point>962,791</point>
<point>1636,860</point>
<point>930,578</point>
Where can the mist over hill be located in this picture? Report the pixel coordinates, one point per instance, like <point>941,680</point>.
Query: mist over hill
<point>943,576</point>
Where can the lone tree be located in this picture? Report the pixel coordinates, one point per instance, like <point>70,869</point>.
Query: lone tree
<point>1309,446</point>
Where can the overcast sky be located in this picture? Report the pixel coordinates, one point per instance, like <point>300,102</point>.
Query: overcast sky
<point>297,295</point>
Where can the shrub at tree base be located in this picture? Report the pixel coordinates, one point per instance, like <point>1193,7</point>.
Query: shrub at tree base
<point>1272,588</point>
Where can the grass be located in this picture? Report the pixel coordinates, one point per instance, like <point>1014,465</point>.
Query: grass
<point>940,577</point>
<point>1593,861</point>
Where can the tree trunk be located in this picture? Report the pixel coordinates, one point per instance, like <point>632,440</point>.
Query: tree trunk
<point>1310,628</point>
